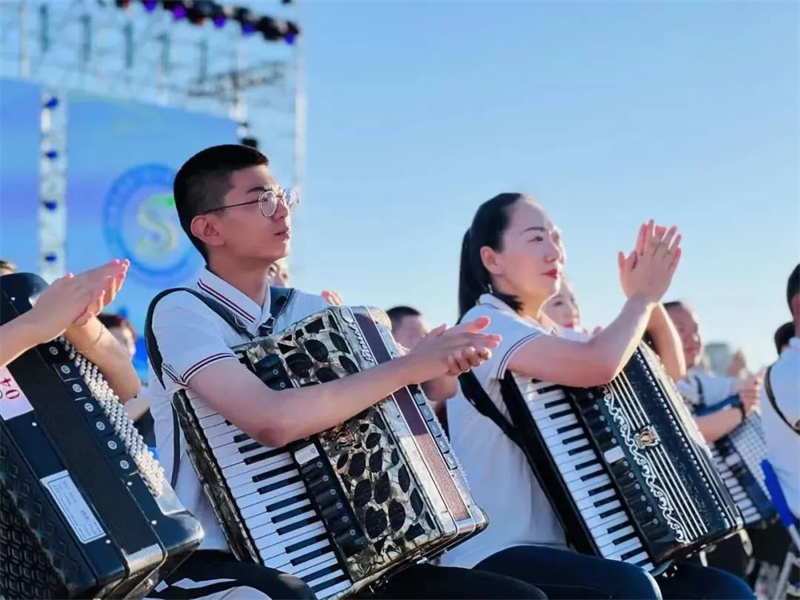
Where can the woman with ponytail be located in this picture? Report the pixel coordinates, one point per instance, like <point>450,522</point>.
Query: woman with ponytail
<point>512,261</point>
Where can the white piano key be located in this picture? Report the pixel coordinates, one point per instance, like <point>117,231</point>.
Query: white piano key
<point>270,528</point>
<point>264,516</point>
<point>577,475</point>
<point>581,489</point>
<point>589,510</point>
<point>568,461</point>
<point>287,493</point>
<point>210,421</point>
<point>253,486</point>
<point>304,570</point>
<point>616,553</point>
<point>264,498</point>
<point>603,524</point>
<point>279,561</point>
<point>548,425</point>
<point>289,538</point>
<point>218,430</point>
<point>542,408</point>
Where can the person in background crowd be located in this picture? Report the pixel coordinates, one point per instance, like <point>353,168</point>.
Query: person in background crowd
<point>7,267</point>
<point>69,307</point>
<point>409,327</point>
<point>783,336</point>
<point>138,408</point>
<point>781,405</point>
<point>563,308</point>
<point>278,275</point>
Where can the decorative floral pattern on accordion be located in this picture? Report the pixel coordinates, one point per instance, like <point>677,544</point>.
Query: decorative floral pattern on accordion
<point>389,504</point>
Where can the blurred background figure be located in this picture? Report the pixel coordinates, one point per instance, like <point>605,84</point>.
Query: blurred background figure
<point>7,267</point>
<point>138,408</point>
<point>783,335</point>
<point>563,308</point>
<point>278,273</point>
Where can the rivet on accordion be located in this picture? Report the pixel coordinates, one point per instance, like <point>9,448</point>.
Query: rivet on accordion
<point>64,369</point>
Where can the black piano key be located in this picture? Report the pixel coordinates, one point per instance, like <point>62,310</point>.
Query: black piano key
<point>617,527</point>
<point>566,428</point>
<point>608,513</point>
<point>575,451</point>
<point>309,555</point>
<point>284,503</point>
<point>276,486</point>
<point>621,540</point>
<point>241,437</point>
<point>273,472</point>
<point>630,554</point>
<point>291,513</point>
<point>574,438</point>
<point>249,447</point>
<point>584,464</point>
<point>329,583</point>
<point>321,573</point>
<point>602,488</point>
<point>306,542</point>
<point>551,403</point>
<point>262,456</point>
<point>297,525</point>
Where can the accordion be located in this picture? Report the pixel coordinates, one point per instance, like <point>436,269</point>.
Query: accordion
<point>348,507</point>
<point>85,510</point>
<point>623,465</point>
<point>737,457</point>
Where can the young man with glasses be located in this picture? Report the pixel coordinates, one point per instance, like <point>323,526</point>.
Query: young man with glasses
<point>237,217</point>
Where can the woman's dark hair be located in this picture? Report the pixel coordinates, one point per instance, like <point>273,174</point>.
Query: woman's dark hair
<point>487,229</point>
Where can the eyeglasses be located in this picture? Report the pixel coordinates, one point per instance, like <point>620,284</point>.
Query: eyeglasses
<point>268,201</point>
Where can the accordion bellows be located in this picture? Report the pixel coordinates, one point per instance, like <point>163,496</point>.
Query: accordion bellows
<point>346,508</point>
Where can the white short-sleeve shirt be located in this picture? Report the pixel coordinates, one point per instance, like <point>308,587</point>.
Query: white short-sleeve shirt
<point>707,389</point>
<point>783,444</point>
<point>191,337</point>
<point>499,476</point>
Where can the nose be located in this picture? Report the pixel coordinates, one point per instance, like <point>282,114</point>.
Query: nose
<point>281,211</point>
<point>555,254</point>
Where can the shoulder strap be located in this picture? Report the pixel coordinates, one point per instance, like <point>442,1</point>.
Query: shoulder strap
<point>701,397</point>
<point>279,300</point>
<point>771,398</point>
<point>477,397</point>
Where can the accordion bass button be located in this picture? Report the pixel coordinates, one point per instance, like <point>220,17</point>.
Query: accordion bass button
<point>325,498</point>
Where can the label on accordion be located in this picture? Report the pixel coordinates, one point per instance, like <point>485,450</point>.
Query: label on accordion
<point>13,401</point>
<point>73,506</point>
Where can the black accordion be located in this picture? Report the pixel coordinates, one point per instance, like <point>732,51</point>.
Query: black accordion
<point>85,510</point>
<point>623,465</point>
<point>738,458</point>
<point>347,508</point>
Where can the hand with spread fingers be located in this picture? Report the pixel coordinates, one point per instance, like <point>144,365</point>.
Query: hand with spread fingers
<point>648,270</point>
<point>332,297</point>
<point>451,351</point>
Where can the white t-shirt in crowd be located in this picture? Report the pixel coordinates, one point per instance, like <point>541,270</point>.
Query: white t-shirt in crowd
<point>499,476</point>
<point>783,444</point>
<point>191,337</point>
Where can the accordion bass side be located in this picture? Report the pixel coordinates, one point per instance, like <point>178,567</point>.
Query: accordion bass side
<point>346,508</point>
<point>85,510</point>
<point>624,465</point>
<point>737,457</point>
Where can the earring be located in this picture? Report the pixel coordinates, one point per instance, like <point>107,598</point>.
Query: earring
<point>489,287</point>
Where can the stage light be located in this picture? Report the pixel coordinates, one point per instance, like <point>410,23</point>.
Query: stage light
<point>246,19</point>
<point>50,204</point>
<point>51,257</point>
<point>150,5</point>
<point>51,103</point>
<point>123,4</point>
<point>177,8</point>
<point>51,154</point>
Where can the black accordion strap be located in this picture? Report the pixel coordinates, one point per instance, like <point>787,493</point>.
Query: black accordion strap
<point>279,300</point>
<point>475,394</point>
<point>771,398</point>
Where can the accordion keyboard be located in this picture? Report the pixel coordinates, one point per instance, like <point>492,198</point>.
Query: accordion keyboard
<point>269,492</point>
<point>585,475</point>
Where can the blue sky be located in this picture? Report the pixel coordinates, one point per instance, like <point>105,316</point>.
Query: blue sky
<point>609,113</point>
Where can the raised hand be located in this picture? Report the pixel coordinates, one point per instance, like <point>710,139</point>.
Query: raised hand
<point>648,270</point>
<point>750,392</point>
<point>332,298</point>
<point>451,351</point>
<point>72,300</point>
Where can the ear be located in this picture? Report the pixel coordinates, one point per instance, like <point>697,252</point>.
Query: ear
<point>204,229</point>
<point>491,260</point>
<point>796,306</point>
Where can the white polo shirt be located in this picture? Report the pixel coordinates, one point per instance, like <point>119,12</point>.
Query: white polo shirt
<point>500,478</point>
<point>712,387</point>
<point>783,444</point>
<point>191,337</point>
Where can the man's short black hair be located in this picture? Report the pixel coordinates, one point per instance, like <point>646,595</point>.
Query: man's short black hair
<point>204,179</point>
<point>674,304</point>
<point>111,320</point>
<point>8,265</point>
<point>398,313</point>
<point>783,334</point>
<point>793,286</point>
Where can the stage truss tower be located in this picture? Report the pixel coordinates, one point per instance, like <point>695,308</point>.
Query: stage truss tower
<point>137,52</point>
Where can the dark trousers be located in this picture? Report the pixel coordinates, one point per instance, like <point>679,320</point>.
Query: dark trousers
<point>210,573</point>
<point>562,574</point>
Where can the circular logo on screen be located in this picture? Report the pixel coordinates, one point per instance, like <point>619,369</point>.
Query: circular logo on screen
<point>141,224</point>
